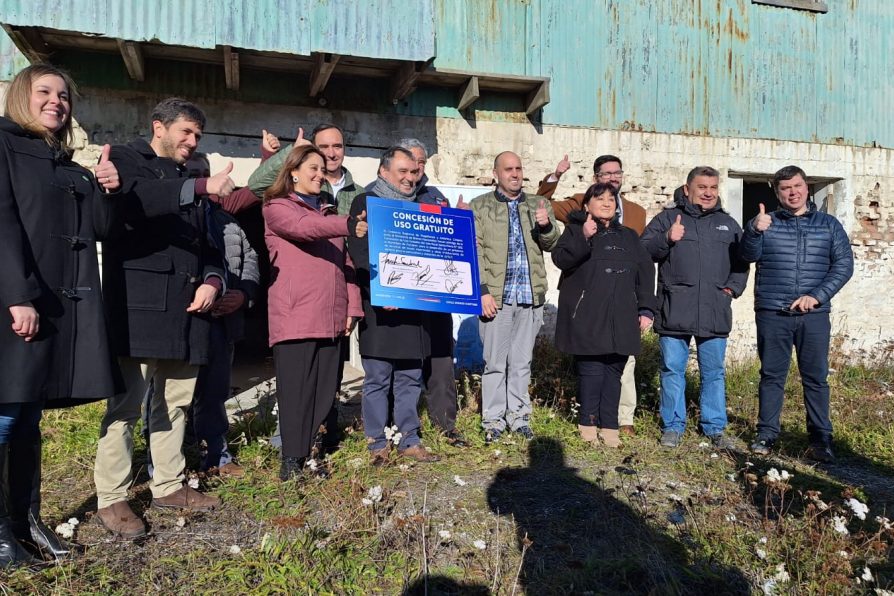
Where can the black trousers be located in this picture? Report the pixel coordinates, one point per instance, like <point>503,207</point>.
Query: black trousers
<point>599,389</point>
<point>440,391</point>
<point>306,381</point>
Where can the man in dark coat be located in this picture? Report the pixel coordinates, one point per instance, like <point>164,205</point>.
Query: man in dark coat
<point>803,259</point>
<point>393,342</point>
<point>696,246</point>
<point>161,277</point>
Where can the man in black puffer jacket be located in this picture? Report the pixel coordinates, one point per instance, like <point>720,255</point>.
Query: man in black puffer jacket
<point>803,259</point>
<point>696,246</point>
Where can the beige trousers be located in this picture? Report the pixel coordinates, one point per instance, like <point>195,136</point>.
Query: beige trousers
<point>175,382</point>
<point>627,405</point>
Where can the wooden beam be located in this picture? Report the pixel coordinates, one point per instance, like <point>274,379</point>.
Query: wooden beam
<point>30,42</point>
<point>468,94</point>
<point>231,68</point>
<point>133,59</point>
<point>405,80</point>
<point>324,65</point>
<point>538,98</point>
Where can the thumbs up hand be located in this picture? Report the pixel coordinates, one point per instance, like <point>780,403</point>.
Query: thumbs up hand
<point>269,142</point>
<point>541,216</point>
<point>460,204</point>
<point>220,184</point>
<point>562,167</point>
<point>360,225</point>
<point>300,140</point>
<point>105,171</point>
<point>677,230</point>
<point>589,227</point>
<point>763,221</point>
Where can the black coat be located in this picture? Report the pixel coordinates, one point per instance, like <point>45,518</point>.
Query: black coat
<point>151,272</point>
<point>606,282</point>
<point>693,272</point>
<point>51,215</point>
<point>395,334</point>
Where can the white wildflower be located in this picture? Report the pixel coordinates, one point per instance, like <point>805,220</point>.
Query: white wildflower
<point>396,439</point>
<point>781,574</point>
<point>761,553</point>
<point>181,522</point>
<point>73,521</point>
<point>355,463</point>
<point>866,576</point>
<point>444,535</point>
<point>366,501</point>
<point>769,587</point>
<point>480,544</point>
<point>844,554</point>
<point>748,464</point>
<point>390,431</point>
<point>497,453</point>
<point>763,540</point>
<point>235,550</point>
<point>703,445</point>
<point>374,494</point>
<point>266,541</point>
<point>730,518</point>
<point>675,497</point>
<point>884,522</point>
<point>785,475</point>
<point>459,481</point>
<point>773,476</point>
<point>731,477</point>
<point>312,464</point>
<point>714,456</point>
<point>193,482</point>
<point>66,530</point>
<point>839,524</point>
<point>403,467</point>
<point>860,509</point>
<point>263,442</point>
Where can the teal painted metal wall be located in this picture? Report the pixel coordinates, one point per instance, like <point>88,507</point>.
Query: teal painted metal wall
<point>709,67</point>
<point>712,67</point>
<point>389,29</point>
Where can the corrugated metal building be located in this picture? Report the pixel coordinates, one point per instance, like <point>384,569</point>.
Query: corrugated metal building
<point>745,85</point>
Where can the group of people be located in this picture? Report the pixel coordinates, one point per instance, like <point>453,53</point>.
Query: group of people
<point>178,274</point>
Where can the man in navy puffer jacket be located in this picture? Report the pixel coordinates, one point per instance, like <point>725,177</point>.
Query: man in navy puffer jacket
<point>803,259</point>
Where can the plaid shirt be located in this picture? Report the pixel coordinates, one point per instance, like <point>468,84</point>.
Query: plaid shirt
<point>517,289</point>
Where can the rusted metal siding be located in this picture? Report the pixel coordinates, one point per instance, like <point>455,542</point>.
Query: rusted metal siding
<point>388,29</point>
<point>708,67</point>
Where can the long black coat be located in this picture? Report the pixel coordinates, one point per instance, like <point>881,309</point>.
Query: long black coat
<point>606,281</point>
<point>151,271</point>
<point>51,215</point>
<point>397,334</point>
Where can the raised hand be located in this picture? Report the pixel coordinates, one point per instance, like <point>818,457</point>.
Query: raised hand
<point>220,184</point>
<point>677,230</point>
<point>589,227</point>
<point>361,227</point>
<point>460,204</point>
<point>105,171</point>
<point>300,140</point>
<point>541,216</point>
<point>562,167</point>
<point>25,320</point>
<point>269,142</point>
<point>763,221</point>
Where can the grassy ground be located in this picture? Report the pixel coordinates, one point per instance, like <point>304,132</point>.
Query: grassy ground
<point>554,516</point>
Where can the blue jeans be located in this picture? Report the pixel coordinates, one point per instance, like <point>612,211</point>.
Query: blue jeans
<point>402,379</point>
<point>19,421</point>
<point>777,333</point>
<point>712,396</point>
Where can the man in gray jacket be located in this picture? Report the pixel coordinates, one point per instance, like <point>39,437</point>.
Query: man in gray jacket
<point>696,246</point>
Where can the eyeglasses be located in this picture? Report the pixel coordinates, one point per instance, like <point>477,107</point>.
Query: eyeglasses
<point>618,174</point>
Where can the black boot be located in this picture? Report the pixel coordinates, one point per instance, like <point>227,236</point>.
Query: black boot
<point>25,477</point>
<point>12,554</point>
<point>291,468</point>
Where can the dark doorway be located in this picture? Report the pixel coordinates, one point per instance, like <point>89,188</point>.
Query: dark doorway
<point>755,193</point>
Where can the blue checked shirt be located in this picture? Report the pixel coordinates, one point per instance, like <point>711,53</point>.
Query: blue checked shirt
<point>517,289</point>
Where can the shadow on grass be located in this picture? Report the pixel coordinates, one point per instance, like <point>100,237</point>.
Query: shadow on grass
<point>576,536</point>
<point>438,585</point>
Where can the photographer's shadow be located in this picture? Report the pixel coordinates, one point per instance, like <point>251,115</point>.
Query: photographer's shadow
<point>577,537</point>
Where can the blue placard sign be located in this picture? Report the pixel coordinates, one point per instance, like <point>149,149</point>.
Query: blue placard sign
<point>422,257</point>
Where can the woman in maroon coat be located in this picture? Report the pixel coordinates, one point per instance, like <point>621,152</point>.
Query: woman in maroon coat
<point>312,301</point>
<point>54,345</point>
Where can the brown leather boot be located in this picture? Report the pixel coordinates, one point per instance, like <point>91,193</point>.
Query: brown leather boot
<point>627,430</point>
<point>420,453</point>
<point>379,457</point>
<point>188,498</point>
<point>590,434</point>
<point>119,519</point>
<point>610,437</point>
